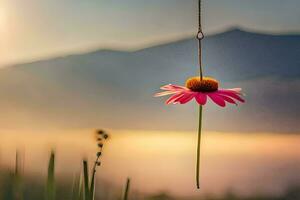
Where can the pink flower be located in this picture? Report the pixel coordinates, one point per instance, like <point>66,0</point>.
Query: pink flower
<point>199,90</point>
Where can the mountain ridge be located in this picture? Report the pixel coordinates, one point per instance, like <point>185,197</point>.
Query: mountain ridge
<point>232,30</point>
<point>115,89</point>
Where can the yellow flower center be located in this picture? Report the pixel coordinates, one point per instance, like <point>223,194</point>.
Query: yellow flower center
<point>207,84</point>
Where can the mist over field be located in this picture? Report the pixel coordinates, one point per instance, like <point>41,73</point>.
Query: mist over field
<point>261,164</point>
<point>110,88</point>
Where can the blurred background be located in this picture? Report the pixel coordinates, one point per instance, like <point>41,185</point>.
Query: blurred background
<point>68,68</point>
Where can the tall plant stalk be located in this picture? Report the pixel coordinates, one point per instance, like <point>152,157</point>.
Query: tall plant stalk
<point>96,163</point>
<point>89,187</point>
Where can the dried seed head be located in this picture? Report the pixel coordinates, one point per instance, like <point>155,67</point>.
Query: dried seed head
<point>100,132</point>
<point>105,136</point>
<point>100,145</point>
<point>207,84</point>
<point>99,153</point>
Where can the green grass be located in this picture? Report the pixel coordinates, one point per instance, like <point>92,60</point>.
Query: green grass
<point>14,185</point>
<point>126,191</point>
<point>50,185</point>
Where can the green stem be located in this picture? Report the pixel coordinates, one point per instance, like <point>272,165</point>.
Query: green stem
<point>198,147</point>
<point>51,179</point>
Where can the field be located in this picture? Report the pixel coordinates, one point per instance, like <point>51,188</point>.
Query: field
<point>160,165</point>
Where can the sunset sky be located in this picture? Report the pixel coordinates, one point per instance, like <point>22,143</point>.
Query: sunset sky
<point>68,67</point>
<point>34,29</point>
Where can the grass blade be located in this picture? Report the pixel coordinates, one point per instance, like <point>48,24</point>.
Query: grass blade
<point>77,188</point>
<point>125,195</point>
<point>50,188</point>
<point>92,191</point>
<point>86,180</point>
<point>17,179</point>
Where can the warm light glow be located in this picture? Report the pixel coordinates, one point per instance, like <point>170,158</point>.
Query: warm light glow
<point>3,21</point>
<point>161,160</point>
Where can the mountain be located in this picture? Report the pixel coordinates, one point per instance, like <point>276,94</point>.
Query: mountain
<point>114,89</point>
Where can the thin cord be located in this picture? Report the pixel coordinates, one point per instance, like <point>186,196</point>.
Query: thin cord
<point>200,36</point>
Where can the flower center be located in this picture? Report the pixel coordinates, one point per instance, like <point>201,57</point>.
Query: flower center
<point>207,84</point>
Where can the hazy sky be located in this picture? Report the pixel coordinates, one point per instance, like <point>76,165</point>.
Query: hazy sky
<point>32,29</point>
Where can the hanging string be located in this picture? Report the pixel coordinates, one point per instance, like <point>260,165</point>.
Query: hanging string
<point>200,36</point>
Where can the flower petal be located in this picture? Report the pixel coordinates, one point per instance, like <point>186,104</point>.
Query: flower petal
<point>227,99</point>
<point>165,93</point>
<point>173,87</point>
<point>186,98</point>
<point>217,99</point>
<point>173,98</point>
<point>230,93</point>
<point>238,90</point>
<point>165,87</point>
<point>201,98</point>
